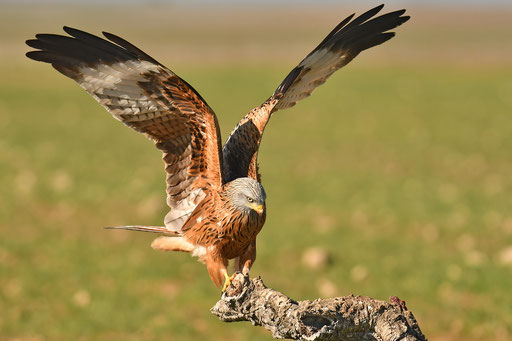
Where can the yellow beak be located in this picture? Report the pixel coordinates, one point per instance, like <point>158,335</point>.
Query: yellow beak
<point>257,208</point>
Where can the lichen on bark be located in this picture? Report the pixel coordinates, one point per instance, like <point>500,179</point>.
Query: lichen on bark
<point>339,318</point>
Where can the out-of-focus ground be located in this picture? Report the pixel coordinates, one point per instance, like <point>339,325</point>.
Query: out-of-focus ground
<point>392,179</point>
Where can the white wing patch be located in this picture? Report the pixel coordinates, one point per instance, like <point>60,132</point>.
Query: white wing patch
<point>116,88</point>
<point>340,46</point>
<point>181,210</point>
<point>149,98</point>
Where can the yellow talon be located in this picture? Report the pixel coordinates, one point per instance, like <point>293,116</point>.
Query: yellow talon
<point>227,280</point>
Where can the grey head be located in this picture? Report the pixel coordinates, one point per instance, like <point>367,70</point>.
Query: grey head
<point>247,195</point>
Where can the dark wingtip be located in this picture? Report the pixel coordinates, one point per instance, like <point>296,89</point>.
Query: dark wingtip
<point>31,42</point>
<point>114,38</point>
<point>400,14</point>
<point>384,37</point>
<point>129,47</point>
<point>373,12</point>
<point>381,6</point>
<point>69,30</point>
<point>38,56</point>
<point>108,35</point>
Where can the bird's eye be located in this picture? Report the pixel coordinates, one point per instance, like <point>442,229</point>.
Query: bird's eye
<point>250,199</point>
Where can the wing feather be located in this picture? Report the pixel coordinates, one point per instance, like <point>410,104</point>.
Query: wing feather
<point>336,50</point>
<point>149,98</point>
<point>340,46</point>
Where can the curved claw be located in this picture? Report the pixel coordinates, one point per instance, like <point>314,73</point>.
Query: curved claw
<point>228,280</point>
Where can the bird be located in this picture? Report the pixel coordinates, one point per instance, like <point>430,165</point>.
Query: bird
<point>214,191</point>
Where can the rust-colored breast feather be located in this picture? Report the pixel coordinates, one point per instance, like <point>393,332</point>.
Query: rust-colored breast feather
<point>216,223</point>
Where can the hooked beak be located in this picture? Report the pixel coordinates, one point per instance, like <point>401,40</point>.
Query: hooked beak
<point>257,207</point>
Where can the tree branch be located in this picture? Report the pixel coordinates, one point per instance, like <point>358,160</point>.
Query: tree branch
<point>339,318</point>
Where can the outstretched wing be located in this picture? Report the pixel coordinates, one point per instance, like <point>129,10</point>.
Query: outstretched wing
<point>149,98</point>
<point>345,42</point>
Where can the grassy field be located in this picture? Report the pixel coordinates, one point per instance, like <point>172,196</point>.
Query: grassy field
<point>399,168</point>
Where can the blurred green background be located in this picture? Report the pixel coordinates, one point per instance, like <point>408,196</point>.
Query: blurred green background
<point>398,171</point>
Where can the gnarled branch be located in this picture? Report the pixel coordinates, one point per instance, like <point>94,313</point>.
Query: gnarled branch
<point>339,318</point>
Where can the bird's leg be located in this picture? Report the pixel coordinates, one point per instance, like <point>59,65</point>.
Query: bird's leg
<point>245,261</point>
<point>217,267</point>
<point>243,267</point>
<point>247,268</point>
<point>228,279</point>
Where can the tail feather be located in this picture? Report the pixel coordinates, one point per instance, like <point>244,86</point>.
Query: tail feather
<point>153,229</point>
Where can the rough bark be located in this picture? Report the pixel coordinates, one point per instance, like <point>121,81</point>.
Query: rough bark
<point>339,318</point>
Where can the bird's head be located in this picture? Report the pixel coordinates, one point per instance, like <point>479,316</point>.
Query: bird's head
<point>247,195</point>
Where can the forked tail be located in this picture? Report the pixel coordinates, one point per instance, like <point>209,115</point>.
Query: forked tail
<point>153,229</point>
